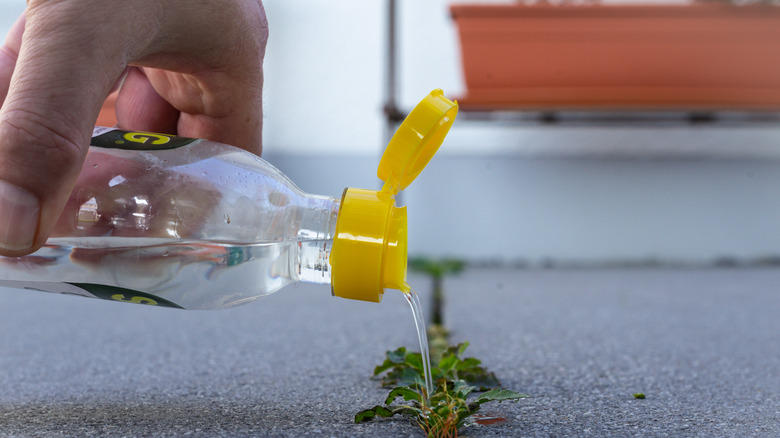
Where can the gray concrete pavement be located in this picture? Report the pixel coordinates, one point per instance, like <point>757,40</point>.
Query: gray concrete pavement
<point>701,344</point>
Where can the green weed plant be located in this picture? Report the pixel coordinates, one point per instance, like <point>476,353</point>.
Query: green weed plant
<point>404,368</point>
<point>448,409</point>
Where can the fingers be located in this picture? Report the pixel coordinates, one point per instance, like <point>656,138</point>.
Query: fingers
<point>8,55</point>
<point>15,202</point>
<point>222,99</point>
<point>202,77</point>
<point>54,95</point>
<point>140,108</point>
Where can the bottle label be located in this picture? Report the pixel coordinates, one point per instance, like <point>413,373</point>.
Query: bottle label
<point>136,140</point>
<point>92,290</point>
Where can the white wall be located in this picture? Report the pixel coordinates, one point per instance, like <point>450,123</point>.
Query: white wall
<point>531,192</point>
<point>326,67</point>
<point>323,72</point>
<point>672,203</point>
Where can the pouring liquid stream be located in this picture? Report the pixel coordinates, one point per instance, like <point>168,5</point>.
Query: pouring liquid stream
<point>419,321</point>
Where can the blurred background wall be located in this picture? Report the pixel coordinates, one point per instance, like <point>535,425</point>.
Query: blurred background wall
<point>525,193</point>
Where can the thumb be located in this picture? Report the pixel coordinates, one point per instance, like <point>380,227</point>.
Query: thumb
<point>46,122</point>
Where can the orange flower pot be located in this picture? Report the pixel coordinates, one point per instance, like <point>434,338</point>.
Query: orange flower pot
<point>697,57</point>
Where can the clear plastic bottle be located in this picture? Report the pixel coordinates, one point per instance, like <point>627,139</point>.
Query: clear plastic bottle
<point>196,224</point>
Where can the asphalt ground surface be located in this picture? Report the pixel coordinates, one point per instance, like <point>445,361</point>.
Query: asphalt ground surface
<point>702,345</point>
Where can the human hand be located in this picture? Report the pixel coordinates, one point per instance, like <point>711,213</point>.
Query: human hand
<point>195,69</point>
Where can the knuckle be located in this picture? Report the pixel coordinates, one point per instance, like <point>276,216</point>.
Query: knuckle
<point>256,26</point>
<point>262,21</point>
<point>39,144</point>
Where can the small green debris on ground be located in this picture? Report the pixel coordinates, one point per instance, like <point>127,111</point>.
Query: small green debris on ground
<point>639,395</point>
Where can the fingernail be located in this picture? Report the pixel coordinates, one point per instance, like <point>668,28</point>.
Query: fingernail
<point>19,210</point>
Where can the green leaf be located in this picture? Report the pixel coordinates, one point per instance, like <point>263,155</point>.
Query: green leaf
<point>499,395</point>
<point>397,356</point>
<point>369,414</point>
<point>467,363</point>
<point>480,378</point>
<point>462,389</point>
<point>414,360</point>
<point>406,392</point>
<point>386,365</point>
<point>402,368</point>
<point>448,363</point>
<point>394,358</point>
<point>462,348</point>
<point>409,376</point>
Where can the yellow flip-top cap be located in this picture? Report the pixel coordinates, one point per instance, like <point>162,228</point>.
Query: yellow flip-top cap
<point>370,247</point>
<point>416,141</point>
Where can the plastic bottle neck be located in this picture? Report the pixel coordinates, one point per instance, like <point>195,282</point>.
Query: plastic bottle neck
<point>316,230</point>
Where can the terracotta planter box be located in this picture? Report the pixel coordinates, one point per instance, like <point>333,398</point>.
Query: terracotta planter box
<point>698,56</point>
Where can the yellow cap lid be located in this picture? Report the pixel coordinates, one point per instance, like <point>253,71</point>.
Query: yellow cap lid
<point>370,247</point>
<point>416,141</point>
